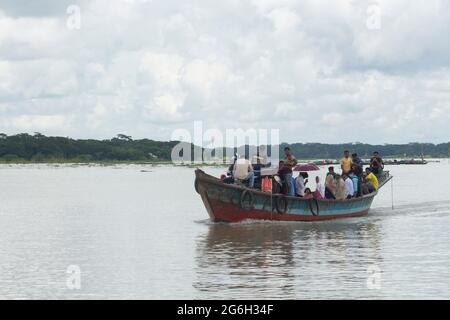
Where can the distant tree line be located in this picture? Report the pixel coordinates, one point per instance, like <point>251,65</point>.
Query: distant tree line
<point>39,148</point>
<point>334,151</point>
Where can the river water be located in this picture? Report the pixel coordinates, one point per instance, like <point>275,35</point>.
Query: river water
<point>137,231</point>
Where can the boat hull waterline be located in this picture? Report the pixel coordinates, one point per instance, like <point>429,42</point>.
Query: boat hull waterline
<point>235,203</point>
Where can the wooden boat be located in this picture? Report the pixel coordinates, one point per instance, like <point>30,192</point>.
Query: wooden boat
<point>235,203</point>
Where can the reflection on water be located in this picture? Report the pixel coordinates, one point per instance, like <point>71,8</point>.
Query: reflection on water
<point>285,260</point>
<point>135,234</point>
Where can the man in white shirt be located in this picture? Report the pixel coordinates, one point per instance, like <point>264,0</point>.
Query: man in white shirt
<point>349,190</point>
<point>243,170</point>
<point>300,183</point>
<point>300,186</point>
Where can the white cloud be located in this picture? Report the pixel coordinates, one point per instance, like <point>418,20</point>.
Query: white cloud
<point>285,110</point>
<point>284,19</point>
<point>38,122</point>
<point>164,69</point>
<point>166,108</point>
<point>147,67</point>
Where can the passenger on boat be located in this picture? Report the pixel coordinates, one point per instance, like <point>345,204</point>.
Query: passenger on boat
<point>356,182</point>
<point>286,171</point>
<point>277,183</point>
<point>280,186</point>
<point>320,189</point>
<point>308,194</point>
<point>340,188</point>
<point>260,159</point>
<point>349,189</point>
<point>294,185</point>
<point>229,177</point>
<point>367,188</point>
<point>332,172</point>
<point>243,171</point>
<point>346,162</point>
<point>300,184</point>
<point>330,184</point>
<point>356,160</point>
<point>371,180</point>
<point>376,163</point>
<point>356,175</point>
<point>357,170</point>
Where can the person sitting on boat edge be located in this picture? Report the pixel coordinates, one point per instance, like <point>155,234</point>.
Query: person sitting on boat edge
<point>332,172</point>
<point>371,180</point>
<point>340,188</point>
<point>243,171</point>
<point>229,179</point>
<point>320,189</point>
<point>330,184</point>
<point>376,163</point>
<point>300,184</point>
<point>279,185</point>
<point>349,189</point>
<point>286,171</point>
<point>346,162</point>
<point>259,161</point>
<point>308,194</point>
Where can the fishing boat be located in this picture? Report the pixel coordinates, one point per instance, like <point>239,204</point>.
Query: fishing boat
<point>234,203</point>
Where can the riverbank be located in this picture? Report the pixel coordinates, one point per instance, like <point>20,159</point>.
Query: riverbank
<point>187,165</point>
<point>112,163</point>
<point>37,148</point>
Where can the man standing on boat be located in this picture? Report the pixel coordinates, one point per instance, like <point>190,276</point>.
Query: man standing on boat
<point>286,171</point>
<point>376,163</point>
<point>356,160</point>
<point>346,163</point>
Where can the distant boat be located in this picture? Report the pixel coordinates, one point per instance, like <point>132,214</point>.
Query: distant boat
<point>411,161</point>
<point>367,162</point>
<point>235,203</point>
<point>325,162</point>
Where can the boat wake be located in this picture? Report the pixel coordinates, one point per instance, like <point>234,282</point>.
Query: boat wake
<point>431,208</point>
<point>424,209</point>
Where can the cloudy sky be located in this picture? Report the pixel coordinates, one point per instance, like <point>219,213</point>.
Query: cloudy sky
<point>320,71</point>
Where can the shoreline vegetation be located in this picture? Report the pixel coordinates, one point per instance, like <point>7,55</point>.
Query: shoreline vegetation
<point>31,149</point>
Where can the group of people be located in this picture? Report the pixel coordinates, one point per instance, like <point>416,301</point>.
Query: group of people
<point>242,169</point>
<point>352,182</point>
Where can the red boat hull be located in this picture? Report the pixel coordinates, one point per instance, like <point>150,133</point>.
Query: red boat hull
<point>225,212</point>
